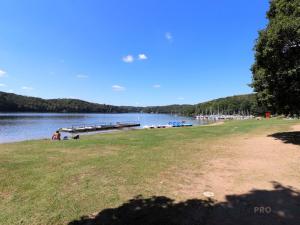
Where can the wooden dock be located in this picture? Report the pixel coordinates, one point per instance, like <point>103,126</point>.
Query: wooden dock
<point>99,127</point>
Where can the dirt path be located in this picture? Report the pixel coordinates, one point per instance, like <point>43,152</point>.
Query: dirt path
<point>249,163</point>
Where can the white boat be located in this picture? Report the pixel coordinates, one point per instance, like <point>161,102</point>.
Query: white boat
<point>66,129</point>
<point>158,126</point>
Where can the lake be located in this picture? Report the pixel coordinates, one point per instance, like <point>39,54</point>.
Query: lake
<point>26,126</point>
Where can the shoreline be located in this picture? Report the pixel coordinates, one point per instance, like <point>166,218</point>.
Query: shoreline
<point>49,139</point>
<point>100,132</point>
<point>20,127</point>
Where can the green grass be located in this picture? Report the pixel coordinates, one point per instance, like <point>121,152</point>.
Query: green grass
<point>45,182</point>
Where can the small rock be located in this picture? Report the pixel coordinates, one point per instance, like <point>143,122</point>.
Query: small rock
<point>208,194</point>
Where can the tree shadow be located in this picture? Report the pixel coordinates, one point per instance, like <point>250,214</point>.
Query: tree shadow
<point>292,137</point>
<point>280,206</point>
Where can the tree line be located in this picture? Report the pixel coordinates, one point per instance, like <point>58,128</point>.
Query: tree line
<point>243,104</point>
<point>17,103</point>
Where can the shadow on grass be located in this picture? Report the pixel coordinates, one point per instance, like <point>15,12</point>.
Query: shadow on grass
<point>292,137</point>
<point>258,207</point>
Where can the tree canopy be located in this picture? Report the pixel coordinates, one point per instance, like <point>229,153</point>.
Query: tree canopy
<point>276,71</point>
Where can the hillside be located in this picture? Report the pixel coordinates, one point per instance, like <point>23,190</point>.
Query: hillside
<point>17,103</point>
<point>238,104</point>
<point>235,104</point>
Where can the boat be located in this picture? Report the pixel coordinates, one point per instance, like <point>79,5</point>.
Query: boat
<point>170,124</point>
<point>66,129</point>
<point>180,124</point>
<point>187,124</point>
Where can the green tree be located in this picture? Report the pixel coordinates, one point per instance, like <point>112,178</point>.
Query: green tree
<point>276,77</point>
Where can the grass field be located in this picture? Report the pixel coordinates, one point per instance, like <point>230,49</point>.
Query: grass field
<point>45,182</point>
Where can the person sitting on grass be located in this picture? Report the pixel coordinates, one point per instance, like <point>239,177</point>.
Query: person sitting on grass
<point>56,136</point>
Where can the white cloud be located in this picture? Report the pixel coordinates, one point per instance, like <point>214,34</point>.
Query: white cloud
<point>118,88</point>
<point>81,76</point>
<point>180,98</point>
<point>156,86</point>
<point>25,88</point>
<point>128,59</point>
<point>10,90</point>
<point>2,73</point>
<point>2,85</point>
<point>142,57</point>
<point>169,36</point>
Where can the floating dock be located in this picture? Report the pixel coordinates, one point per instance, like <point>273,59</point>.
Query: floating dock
<point>170,124</point>
<point>99,127</point>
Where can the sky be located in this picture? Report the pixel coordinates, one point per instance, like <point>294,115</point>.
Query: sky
<point>133,52</point>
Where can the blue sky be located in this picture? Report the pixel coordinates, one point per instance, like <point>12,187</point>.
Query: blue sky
<point>133,52</point>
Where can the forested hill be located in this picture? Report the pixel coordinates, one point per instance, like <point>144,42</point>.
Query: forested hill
<point>235,104</point>
<point>17,103</point>
<point>238,104</point>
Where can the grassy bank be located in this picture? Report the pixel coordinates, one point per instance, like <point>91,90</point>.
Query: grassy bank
<point>45,182</point>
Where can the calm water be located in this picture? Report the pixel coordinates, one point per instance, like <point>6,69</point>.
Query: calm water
<point>27,126</point>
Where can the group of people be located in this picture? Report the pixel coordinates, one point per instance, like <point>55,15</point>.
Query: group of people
<point>57,136</point>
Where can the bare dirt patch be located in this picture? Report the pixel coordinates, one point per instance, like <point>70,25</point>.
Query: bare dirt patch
<point>239,165</point>
<point>296,127</point>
